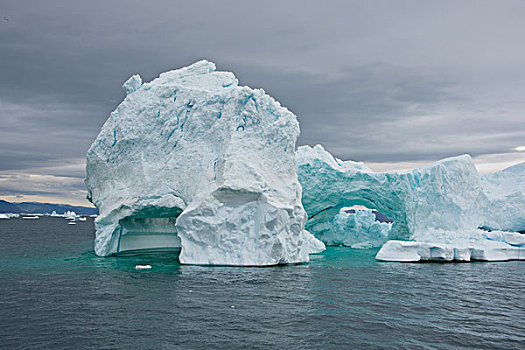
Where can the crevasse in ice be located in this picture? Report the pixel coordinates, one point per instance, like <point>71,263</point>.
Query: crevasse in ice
<point>193,160</point>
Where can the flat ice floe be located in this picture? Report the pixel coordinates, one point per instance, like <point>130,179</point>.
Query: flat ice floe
<point>489,246</point>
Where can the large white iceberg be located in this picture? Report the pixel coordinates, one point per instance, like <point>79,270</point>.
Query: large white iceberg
<point>193,160</point>
<point>440,205</point>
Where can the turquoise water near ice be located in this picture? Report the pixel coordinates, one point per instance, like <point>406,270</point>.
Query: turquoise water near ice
<point>56,294</point>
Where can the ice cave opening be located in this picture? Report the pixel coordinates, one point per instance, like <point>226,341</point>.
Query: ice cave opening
<point>143,234</point>
<point>147,235</point>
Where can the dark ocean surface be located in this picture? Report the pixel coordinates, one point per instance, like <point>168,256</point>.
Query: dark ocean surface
<point>56,294</point>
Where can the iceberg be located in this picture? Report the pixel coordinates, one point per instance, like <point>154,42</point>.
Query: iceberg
<point>70,215</point>
<point>193,160</point>
<point>440,208</point>
<point>9,215</point>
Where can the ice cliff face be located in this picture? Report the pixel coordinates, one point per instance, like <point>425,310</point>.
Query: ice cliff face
<point>442,205</point>
<point>506,191</point>
<point>203,163</point>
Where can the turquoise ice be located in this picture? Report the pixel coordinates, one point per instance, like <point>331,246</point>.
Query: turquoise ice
<point>446,205</point>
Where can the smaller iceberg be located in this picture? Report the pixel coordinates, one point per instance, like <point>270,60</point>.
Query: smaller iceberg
<point>8,215</point>
<point>71,215</point>
<point>480,246</point>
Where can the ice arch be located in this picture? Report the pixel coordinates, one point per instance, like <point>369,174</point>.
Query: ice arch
<point>445,195</point>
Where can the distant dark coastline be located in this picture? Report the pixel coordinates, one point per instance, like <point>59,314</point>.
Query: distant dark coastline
<point>43,208</point>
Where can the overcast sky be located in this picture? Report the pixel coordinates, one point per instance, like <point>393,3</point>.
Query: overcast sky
<point>395,84</point>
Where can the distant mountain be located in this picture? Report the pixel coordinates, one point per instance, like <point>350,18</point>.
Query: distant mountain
<point>6,207</point>
<point>43,208</point>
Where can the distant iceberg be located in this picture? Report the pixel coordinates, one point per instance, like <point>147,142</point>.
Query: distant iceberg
<point>8,215</point>
<point>193,160</point>
<point>70,215</point>
<point>440,207</point>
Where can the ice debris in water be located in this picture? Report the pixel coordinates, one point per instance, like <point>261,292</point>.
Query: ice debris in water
<point>193,160</point>
<point>441,207</point>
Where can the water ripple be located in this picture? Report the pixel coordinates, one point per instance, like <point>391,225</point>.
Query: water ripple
<point>57,294</point>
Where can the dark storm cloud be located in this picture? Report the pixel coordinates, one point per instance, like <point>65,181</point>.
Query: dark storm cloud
<point>372,81</point>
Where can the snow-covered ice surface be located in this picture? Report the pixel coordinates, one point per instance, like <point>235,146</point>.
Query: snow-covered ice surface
<point>211,162</point>
<point>439,207</point>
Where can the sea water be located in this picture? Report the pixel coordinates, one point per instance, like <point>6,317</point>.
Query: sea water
<point>56,294</point>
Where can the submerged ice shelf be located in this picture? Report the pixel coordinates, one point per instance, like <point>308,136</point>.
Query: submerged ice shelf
<point>192,160</point>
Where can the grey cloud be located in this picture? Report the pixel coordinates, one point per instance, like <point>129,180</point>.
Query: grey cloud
<point>372,81</point>
<point>41,185</point>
